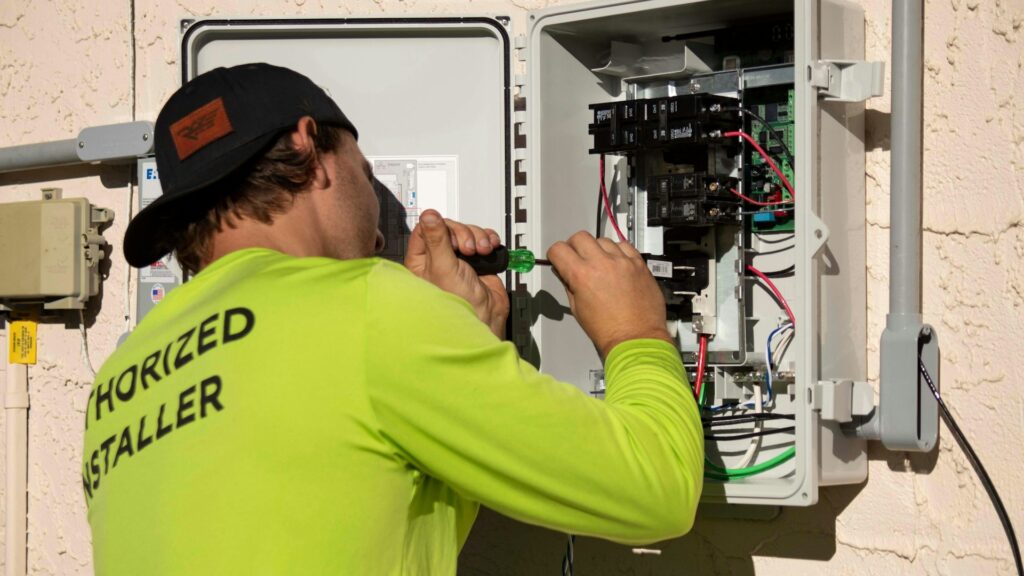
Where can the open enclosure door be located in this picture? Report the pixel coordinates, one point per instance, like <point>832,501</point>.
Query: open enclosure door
<point>429,96</point>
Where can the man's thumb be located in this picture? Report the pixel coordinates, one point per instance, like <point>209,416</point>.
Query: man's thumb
<point>433,229</point>
<point>436,237</point>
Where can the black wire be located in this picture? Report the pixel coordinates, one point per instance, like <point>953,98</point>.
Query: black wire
<point>784,273</point>
<point>743,419</point>
<point>986,481</point>
<point>761,415</point>
<point>771,130</point>
<point>600,213</point>
<point>569,560</point>
<point>774,240</point>
<point>767,432</point>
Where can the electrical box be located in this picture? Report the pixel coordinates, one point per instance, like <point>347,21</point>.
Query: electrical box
<point>155,281</point>
<point>50,252</point>
<point>657,92</point>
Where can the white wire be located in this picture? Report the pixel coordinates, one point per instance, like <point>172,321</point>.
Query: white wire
<point>85,344</point>
<point>768,354</point>
<point>755,442</point>
<point>129,209</point>
<point>760,401</point>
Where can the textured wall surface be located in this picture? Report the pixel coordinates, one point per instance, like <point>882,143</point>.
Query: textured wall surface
<point>68,64</point>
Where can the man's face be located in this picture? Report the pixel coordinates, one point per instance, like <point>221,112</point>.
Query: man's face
<point>351,206</point>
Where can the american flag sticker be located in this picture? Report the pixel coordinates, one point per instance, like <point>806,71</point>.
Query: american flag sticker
<point>157,293</point>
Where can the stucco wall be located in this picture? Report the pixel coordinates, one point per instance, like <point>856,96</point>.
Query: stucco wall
<point>70,64</point>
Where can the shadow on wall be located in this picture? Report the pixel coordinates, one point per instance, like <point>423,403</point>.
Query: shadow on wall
<point>877,130</point>
<point>110,176</point>
<point>499,546</point>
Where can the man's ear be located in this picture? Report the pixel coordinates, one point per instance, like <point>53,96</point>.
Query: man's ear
<point>304,134</point>
<point>304,140</point>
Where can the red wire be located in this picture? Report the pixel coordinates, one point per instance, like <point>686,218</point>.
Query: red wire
<point>608,207</point>
<point>767,158</point>
<point>778,295</point>
<point>702,355</point>
<point>758,202</point>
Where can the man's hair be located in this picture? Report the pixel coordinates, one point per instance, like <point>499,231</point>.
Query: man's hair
<point>260,190</point>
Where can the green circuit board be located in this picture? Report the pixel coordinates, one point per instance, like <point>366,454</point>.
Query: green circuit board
<point>776,106</point>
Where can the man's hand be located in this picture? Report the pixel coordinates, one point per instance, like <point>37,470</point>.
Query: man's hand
<point>611,292</point>
<point>431,256</point>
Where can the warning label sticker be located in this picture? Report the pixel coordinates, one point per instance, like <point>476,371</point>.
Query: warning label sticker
<point>22,342</point>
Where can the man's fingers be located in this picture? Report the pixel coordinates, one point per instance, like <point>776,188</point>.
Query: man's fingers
<point>493,237</point>
<point>629,250</point>
<point>470,239</point>
<point>565,260</point>
<point>482,239</point>
<point>585,245</point>
<point>609,246</point>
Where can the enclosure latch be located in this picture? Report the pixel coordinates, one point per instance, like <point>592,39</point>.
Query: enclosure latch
<point>847,80</point>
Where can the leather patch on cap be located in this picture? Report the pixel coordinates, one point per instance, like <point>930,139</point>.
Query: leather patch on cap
<point>202,126</point>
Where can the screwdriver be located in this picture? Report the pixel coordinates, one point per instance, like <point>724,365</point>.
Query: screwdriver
<point>501,259</point>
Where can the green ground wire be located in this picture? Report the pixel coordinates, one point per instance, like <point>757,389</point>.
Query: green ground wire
<point>719,473</point>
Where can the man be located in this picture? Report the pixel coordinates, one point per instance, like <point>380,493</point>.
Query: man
<point>301,407</point>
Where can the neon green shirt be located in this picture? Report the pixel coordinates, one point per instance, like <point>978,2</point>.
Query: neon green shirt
<point>278,415</point>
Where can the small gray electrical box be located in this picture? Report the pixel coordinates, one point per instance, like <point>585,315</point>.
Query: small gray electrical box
<point>50,251</point>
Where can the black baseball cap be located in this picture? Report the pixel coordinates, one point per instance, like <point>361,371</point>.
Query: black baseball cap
<point>210,128</point>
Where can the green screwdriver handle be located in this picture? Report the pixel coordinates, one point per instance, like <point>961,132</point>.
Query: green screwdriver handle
<point>499,260</point>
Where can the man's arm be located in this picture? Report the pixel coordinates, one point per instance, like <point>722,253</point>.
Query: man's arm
<point>463,407</point>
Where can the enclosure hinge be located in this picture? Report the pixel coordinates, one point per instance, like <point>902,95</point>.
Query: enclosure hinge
<point>520,202</point>
<point>843,400</point>
<point>519,45</point>
<point>847,80</point>
<point>520,160</point>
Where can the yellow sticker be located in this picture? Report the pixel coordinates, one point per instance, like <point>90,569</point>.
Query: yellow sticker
<point>22,337</point>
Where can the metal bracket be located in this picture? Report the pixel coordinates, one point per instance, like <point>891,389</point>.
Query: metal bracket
<point>819,234</point>
<point>116,143</point>
<point>847,80</point>
<point>111,144</point>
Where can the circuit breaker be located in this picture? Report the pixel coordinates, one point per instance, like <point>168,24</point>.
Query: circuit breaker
<point>50,251</point>
<point>696,130</point>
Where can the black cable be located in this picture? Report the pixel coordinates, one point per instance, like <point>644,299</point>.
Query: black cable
<point>744,419</point>
<point>568,561</point>
<point>784,273</point>
<point>986,481</point>
<point>771,130</point>
<point>760,415</point>
<point>767,432</point>
<point>600,213</point>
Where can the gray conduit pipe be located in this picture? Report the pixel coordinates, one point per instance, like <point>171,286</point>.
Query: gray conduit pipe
<point>906,417</point>
<point>16,482</point>
<point>905,179</point>
<point>42,155</point>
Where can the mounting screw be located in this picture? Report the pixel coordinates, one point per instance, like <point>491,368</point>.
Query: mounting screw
<point>81,144</point>
<point>694,88</point>
<point>926,331</point>
<point>145,136</point>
